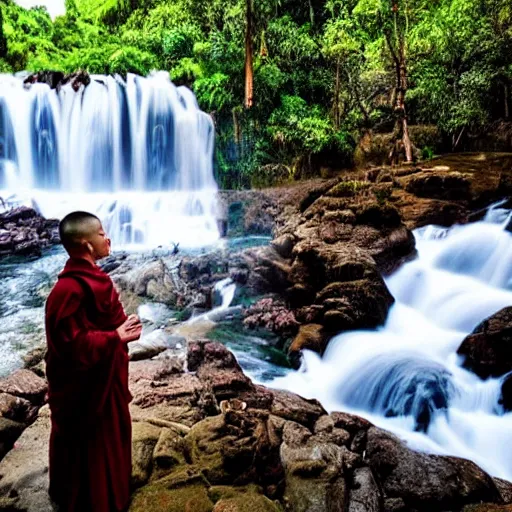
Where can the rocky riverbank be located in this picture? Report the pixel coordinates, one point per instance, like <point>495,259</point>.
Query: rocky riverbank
<point>208,439</point>
<point>24,232</point>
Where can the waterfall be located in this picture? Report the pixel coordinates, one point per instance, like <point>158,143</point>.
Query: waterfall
<point>137,152</point>
<point>406,376</point>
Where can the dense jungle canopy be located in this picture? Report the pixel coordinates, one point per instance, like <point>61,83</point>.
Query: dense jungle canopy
<point>293,85</point>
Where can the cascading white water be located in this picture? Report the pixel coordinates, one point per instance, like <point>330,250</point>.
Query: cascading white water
<point>138,153</point>
<point>406,376</point>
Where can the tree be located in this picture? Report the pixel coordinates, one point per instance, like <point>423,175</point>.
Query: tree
<point>249,72</point>
<point>3,39</point>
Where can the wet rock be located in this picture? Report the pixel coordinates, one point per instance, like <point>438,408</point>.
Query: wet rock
<point>488,349</point>
<point>153,344</point>
<point>426,482</point>
<point>364,494</point>
<point>25,232</point>
<point>295,408</point>
<point>271,315</point>
<point>34,357</point>
<point>311,337</point>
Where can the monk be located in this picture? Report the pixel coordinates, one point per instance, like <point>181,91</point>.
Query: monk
<point>87,333</point>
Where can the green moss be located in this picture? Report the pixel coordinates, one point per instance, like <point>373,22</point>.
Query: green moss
<point>348,188</point>
<point>156,498</point>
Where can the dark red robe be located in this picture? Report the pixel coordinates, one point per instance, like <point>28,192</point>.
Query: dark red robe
<point>87,371</point>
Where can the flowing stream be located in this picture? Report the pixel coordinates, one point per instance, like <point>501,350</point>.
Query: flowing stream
<point>406,376</point>
<point>138,153</point>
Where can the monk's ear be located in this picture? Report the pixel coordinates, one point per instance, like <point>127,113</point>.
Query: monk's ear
<point>86,246</point>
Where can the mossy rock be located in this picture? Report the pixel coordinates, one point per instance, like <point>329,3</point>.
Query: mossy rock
<point>348,188</point>
<point>249,502</point>
<point>158,498</point>
<point>488,507</point>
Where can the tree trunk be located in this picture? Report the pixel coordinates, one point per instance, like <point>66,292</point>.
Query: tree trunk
<point>336,106</point>
<point>505,103</point>
<point>249,74</point>
<point>401,105</point>
<point>399,56</point>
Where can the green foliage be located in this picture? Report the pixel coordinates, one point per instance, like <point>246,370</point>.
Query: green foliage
<point>324,70</point>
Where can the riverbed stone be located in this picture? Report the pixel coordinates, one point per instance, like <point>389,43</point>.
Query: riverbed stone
<point>426,482</point>
<point>487,350</point>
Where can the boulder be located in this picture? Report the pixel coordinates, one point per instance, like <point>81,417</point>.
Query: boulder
<point>25,384</point>
<point>439,185</point>
<point>17,409</point>
<point>314,477</point>
<point>310,337</point>
<point>144,438</point>
<point>24,470</point>
<point>426,482</point>
<point>25,232</point>
<point>152,344</point>
<point>365,495</point>
<point>293,407</point>
<point>487,350</point>
<point>9,432</point>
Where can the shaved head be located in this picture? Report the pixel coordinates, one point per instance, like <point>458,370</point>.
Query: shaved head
<point>75,227</point>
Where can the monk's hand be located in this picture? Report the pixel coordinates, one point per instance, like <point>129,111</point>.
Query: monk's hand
<point>130,330</point>
<point>133,319</point>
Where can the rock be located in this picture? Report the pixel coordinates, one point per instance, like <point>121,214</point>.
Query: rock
<point>311,337</point>
<point>269,270</point>
<point>25,384</point>
<point>152,384</point>
<point>17,409</point>
<point>295,408</point>
<point>190,496</point>
<point>271,315</point>
<point>25,232</point>
<point>9,432</point>
<point>144,438</point>
<point>426,482</point>
<point>284,245</point>
<point>488,349</point>
<point>314,479</point>
<point>169,452</point>
<point>153,344</point>
<point>24,470</point>
<point>247,502</point>
<point>439,185</point>
<point>34,357</point>
<point>235,448</point>
<point>217,367</point>
<point>505,489</point>
<point>342,281</point>
<point>364,494</point>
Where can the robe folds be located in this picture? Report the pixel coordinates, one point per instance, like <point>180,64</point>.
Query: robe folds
<point>87,372</point>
